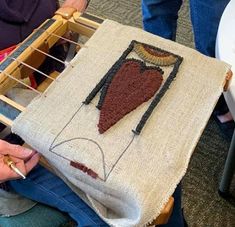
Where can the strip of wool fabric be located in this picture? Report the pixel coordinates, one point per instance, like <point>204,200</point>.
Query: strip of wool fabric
<point>128,177</point>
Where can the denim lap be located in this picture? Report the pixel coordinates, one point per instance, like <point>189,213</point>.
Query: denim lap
<point>45,187</point>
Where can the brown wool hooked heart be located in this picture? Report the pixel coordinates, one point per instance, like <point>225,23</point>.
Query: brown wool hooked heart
<point>133,84</point>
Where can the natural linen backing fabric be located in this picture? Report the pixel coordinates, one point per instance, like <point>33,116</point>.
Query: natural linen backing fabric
<point>127,176</point>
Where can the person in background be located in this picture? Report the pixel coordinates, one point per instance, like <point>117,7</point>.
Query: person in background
<point>160,18</point>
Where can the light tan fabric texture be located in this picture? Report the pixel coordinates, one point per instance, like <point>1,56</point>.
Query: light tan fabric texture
<point>149,166</point>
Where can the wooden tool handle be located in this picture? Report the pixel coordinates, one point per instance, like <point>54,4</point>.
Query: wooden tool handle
<point>7,160</point>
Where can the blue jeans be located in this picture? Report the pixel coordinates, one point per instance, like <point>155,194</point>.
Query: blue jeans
<point>45,187</point>
<point>160,18</point>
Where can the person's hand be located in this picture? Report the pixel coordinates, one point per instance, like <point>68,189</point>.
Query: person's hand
<point>24,159</point>
<point>79,5</point>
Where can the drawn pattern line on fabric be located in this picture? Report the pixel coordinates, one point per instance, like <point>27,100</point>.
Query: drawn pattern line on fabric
<point>80,138</point>
<point>106,175</point>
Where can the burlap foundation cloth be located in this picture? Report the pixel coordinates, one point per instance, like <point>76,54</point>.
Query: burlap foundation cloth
<point>128,154</point>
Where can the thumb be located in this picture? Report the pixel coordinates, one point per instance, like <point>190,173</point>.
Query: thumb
<point>14,150</point>
<point>78,5</point>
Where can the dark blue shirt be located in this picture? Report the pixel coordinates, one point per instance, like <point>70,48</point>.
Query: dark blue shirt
<point>18,18</point>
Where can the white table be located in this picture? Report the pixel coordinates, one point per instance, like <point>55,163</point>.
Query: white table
<point>225,50</point>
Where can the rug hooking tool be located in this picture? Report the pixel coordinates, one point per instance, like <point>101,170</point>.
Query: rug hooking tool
<point>8,161</point>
